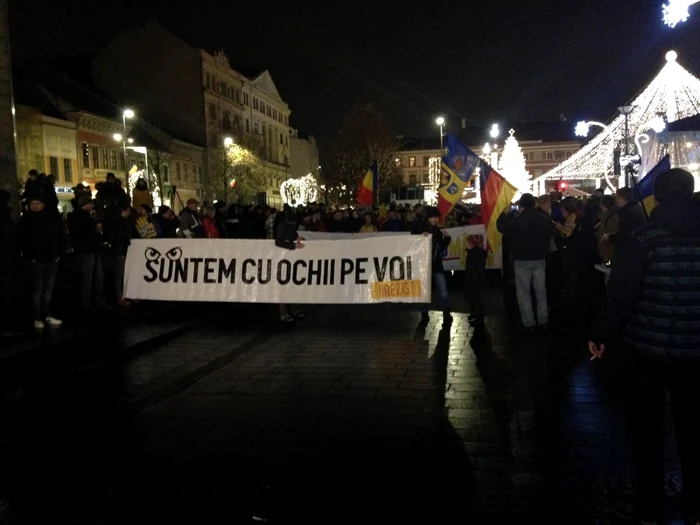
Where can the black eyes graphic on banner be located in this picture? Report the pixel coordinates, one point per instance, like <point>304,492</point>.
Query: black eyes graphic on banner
<point>152,254</point>
<point>174,254</point>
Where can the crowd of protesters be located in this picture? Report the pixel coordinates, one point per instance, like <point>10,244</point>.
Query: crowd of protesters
<point>644,264</point>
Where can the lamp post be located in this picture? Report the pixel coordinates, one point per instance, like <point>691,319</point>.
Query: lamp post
<point>440,121</point>
<point>626,111</point>
<point>583,126</point>
<point>126,114</point>
<point>228,142</point>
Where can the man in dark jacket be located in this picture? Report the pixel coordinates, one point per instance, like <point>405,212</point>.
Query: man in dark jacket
<point>40,236</point>
<point>87,240</point>
<point>654,297</point>
<point>288,237</point>
<point>630,217</point>
<point>440,241</point>
<point>531,236</point>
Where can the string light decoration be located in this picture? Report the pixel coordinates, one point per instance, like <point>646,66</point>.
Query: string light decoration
<point>299,191</point>
<point>513,164</point>
<point>676,11</point>
<point>674,93</point>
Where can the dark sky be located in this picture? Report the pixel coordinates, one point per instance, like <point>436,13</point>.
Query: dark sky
<point>483,60</point>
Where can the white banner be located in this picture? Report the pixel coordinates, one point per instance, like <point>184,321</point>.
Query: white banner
<point>330,236</point>
<point>456,257</point>
<point>373,270</point>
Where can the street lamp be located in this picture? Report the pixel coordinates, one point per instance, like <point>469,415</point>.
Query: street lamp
<point>440,121</point>
<point>126,114</point>
<point>495,131</point>
<point>118,137</point>
<point>228,141</point>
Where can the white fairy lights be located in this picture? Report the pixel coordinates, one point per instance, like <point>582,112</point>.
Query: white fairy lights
<point>676,11</point>
<point>299,191</point>
<point>674,93</point>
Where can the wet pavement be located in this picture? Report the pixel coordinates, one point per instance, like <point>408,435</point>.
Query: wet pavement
<point>356,413</point>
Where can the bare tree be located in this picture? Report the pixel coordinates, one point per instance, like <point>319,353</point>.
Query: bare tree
<point>158,162</point>
<point>365,137</point>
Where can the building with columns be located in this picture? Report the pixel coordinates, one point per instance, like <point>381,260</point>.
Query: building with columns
<point>198,96</point>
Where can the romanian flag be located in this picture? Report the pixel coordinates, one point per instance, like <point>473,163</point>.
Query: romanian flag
<point>368,187</point>
<point>496,195</point>
<point>645,187</point>
<point>458,166</point>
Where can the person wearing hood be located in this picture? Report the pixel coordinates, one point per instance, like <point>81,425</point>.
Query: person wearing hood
<point>142,195</point>
<point>86,235</point>
<point>41,243</point>
<point>654,298</point>
<point>440,241</point>
<point>166,222</point>
<point>288,237</point>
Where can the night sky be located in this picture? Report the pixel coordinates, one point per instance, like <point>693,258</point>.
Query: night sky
<point>530,61</point>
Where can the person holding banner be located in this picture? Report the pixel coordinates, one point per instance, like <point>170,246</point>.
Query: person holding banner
<point>441,240</point>
<point>288,237</point>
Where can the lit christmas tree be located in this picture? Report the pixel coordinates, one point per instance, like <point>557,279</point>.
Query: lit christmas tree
<point>512,164</point>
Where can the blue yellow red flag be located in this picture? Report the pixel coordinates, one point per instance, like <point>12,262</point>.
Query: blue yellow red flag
<point>645,187</point>
<point>368,187</point>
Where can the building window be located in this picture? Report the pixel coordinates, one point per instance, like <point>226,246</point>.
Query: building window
<point>281,139</point>
<point>86,155</point>
<point>412,179</point>
<point>226,120</point>
<point>185,172</point>
<point>238,96</point>
<point>411,162</point>
<point>67,170</point>
<point>53,167</point>
<point>247,126</point>
<point>113,159</point>
<point>207,80</point>
<point>398,162</point>
<point>104,159</point>
<point>568,154</point>
<point>426,161</point>
<point>166,174</point>
<point>550,155</point>
<point>255,103</point>
<point>212,111</point>
<point>246,99</point>
<point>178,175</point>
<point>194,173</point>
<point>274,114</point>
<point>95,157</point>
<point>120,161</point>
<point>201,177</point>
<point>426,178</point>
<point>257,128</point>
<point>269,111</point>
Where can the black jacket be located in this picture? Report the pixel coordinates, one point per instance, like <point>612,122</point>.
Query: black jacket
<point>40,235</point>
<point>530,232</point>
<point>630,217</point>
<point>9,242</point>
<point>286,235</point>
<point>440,243</point>
<point>83,235</point>
<point>654,288</point>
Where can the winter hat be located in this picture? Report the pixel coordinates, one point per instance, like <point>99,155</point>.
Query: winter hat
<point>162,210</point>
<point>431,212</point>
<point>82,200</point>
<point>675,185</point>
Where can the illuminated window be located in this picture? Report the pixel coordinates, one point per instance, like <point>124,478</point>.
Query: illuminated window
<point>67,170</point>
<point>411,162</point>
<point>53,167</point>
<point>86,155</point>
<point>398,162</point>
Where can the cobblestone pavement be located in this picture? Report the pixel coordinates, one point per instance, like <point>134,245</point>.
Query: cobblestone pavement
<point>357,413</point>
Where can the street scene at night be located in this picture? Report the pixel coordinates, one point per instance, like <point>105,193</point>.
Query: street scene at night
<point>286,263</point>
